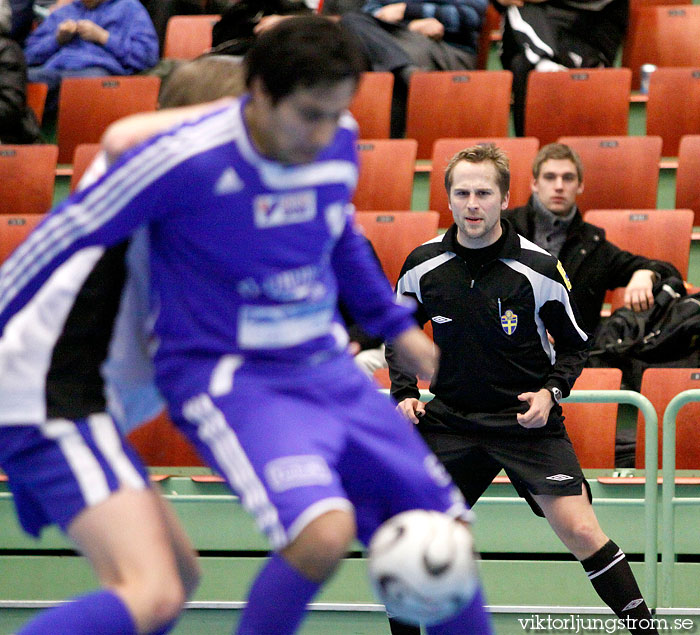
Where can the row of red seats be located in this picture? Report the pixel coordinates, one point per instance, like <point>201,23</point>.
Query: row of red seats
<point>620,173</point>
<point>583,103</point>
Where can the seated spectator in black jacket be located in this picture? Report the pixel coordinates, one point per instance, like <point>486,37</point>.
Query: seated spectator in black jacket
<point>17,122</point>
<point>551,35</point>
<point>593,264</point>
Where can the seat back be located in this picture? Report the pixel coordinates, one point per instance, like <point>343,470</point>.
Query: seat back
<point>660,385</point>
<point>160,443</point>
<point>583,102</point>
<point>670,110</point>
<point>618,172</point>
<point>664,36</point>
<point>521,152</point>
<point>592,426</point>
<point>660,234</point>
<point>445,104</point>
<point>371,105</point>
<point>490,25</point>
<point>87,105</point>
<point>687,180</point>
<point>27,175</point>
<point>386,174</point>
<point>82,158</point>
<point>395,234</point>
<point>36,98</point>
<point>188,36</point>
<point>14,229</point>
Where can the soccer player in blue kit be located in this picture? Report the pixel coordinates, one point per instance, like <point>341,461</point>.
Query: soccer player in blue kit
<point>251,244</point>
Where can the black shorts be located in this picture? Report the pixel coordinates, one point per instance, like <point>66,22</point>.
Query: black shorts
<point>537,461</point>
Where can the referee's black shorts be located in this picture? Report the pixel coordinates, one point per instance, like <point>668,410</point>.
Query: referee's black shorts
<point>537,460</point>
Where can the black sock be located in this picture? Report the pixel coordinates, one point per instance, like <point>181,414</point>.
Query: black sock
<point>613,580</point>
<point>399,628</point>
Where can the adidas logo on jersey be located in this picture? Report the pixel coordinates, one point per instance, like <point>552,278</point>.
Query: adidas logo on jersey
<point>439,319</point>
<point>228,183</point>
<point>559,477</point>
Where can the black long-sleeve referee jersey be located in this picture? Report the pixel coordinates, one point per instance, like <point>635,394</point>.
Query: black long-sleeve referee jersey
<point>492,328</point>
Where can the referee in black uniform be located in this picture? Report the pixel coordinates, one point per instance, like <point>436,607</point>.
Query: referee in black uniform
<point>512,348</point>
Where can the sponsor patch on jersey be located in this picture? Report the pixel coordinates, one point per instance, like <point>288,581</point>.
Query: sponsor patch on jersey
<point>559,477</point>
<point>567,282</point>
<point>275,210</point>
<point>441,319</point>
<point>294,284</point>
<point>266,327</point>
<point>509,322</point>
<point>289,472</point>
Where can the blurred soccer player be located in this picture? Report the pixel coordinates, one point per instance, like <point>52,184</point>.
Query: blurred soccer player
<point>66,460</point>
<point>251,243</point>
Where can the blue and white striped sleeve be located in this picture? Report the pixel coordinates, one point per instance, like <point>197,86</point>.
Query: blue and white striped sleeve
<point>137,189</point>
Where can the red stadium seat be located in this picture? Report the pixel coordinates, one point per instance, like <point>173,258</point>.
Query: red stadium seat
<point>14,229</point>
<point>386,174</point>
<point>395,234</point>
<point>444,104</point>
<point>27,176</point>
<point>660,385</point>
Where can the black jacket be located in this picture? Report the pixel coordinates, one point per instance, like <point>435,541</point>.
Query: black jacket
<point>592,263</point>
<point>492,329</point>
<point>17,122</point>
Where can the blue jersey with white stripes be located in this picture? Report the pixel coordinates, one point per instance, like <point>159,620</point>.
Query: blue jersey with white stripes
<point>248,256</point>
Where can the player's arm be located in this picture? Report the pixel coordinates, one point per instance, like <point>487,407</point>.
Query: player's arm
<point>404,387</point>
<point>129,194</point>
<point>130,131</point>
<point>367,295</point>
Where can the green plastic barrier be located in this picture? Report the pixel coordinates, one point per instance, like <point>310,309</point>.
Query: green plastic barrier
<point>668,492</point>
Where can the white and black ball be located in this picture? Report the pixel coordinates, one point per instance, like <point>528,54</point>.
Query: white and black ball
<point>422,566</point>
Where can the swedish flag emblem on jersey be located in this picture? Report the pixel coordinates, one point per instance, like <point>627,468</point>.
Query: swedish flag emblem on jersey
<point>509,322</point>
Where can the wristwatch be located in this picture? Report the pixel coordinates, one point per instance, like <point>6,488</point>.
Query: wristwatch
<point>555,392</point>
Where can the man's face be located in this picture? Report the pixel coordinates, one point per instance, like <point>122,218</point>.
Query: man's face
<point>296,128</point>
<point>557,185</point>
<point>476,203</point>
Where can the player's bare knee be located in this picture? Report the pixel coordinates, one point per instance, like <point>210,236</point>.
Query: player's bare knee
<point>321,544</point>
<point>155,604</point>
<point>584,537</point>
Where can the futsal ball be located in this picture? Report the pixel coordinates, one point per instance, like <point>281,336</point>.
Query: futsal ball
<point>422,567</point>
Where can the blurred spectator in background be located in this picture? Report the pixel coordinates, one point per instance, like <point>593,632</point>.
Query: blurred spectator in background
<point>17,121</point>
<point>551,35</point>
<point>89,38</point>
<point>5,17</point>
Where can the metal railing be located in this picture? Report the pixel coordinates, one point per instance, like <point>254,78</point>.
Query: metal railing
<point>668,492</point>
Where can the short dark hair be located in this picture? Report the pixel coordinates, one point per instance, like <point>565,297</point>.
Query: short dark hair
<point>557,151</point>
<point>479,154</point>
<point>303,51</point>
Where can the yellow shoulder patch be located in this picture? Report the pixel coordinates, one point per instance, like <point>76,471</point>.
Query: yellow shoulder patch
<point>560,268</point>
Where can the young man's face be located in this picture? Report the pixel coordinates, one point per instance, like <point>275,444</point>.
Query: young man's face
<point>557,185</point>
<point>296,128</point>
<point>476,203</point>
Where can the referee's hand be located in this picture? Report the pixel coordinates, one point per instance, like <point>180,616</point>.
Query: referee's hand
<point>411,408</point>
<point>537,414</point>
